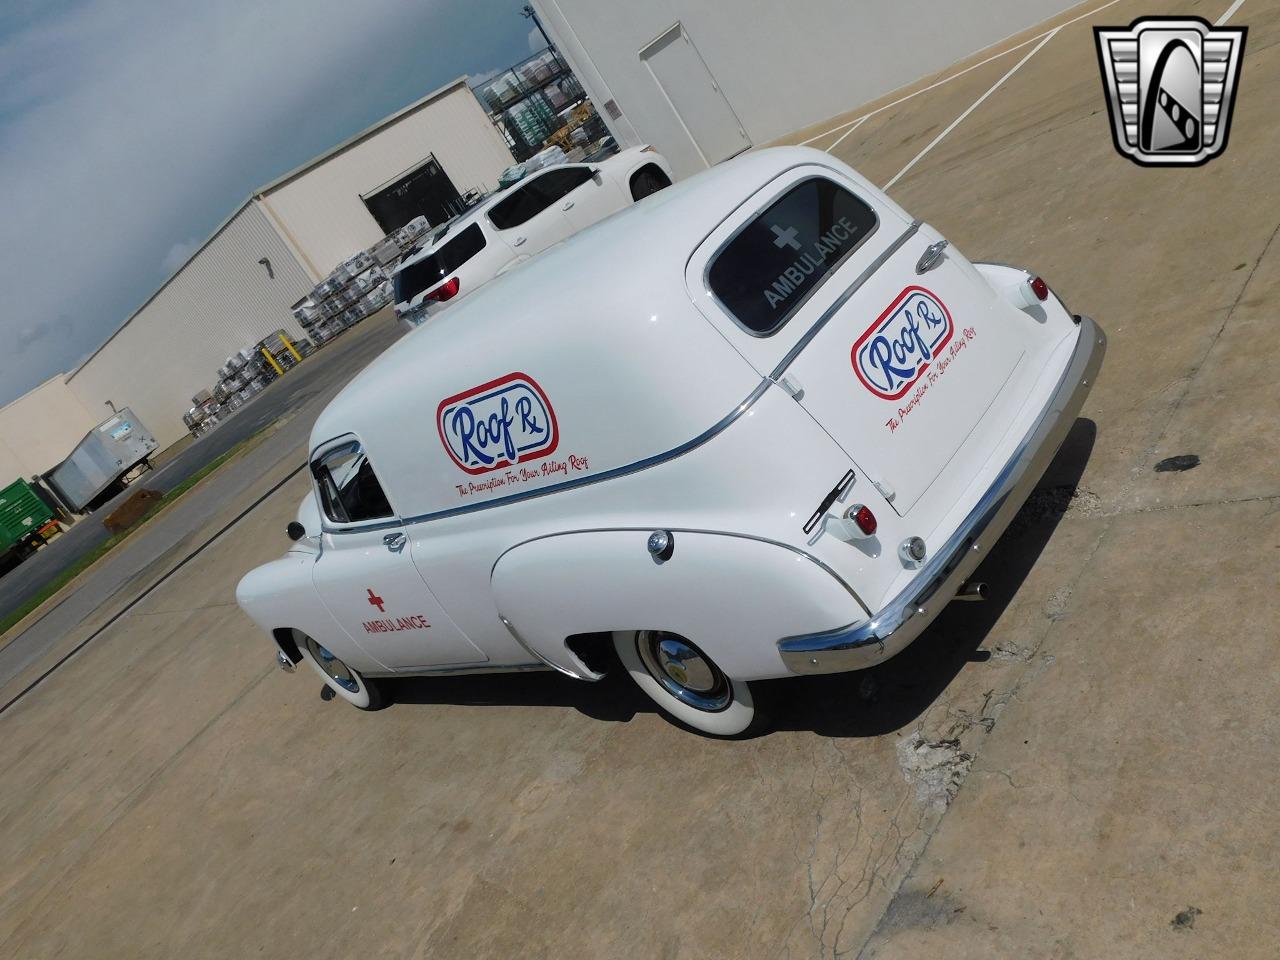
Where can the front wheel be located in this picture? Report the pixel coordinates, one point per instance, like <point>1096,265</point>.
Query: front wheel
<point>341,679</point>
<point>686,683</point>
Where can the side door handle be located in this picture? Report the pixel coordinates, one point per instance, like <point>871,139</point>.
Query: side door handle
<point>568,205</point>
<point>931,257</point>
<point>395,541</point>
<point>518,241</point>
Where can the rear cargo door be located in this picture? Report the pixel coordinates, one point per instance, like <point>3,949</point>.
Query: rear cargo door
<point>818,281</point>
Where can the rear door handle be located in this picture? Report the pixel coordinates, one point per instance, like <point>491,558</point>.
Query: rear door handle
<point>568,206</point>
<point>518,242</point>
<point>931,257</point>
<point>395,541</point>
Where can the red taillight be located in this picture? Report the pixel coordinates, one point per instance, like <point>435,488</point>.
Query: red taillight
<point>446,291</point>
<point>1040,289</point>
<point>866,520</point>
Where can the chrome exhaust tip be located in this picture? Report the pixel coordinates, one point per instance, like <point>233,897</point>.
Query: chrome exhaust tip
<point>285,664</point>
<point>972,592</point>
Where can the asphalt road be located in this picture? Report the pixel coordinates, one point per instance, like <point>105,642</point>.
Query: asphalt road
<point>300,395</point>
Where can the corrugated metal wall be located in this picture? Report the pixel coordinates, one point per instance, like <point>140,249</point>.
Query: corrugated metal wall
<point>221,301</point>
<point>320,209</point>
<point>38,430</point>
<point>782,67</point>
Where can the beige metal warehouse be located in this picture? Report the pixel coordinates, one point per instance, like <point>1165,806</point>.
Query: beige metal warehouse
<point>240,284</point>
<point>703,80</point>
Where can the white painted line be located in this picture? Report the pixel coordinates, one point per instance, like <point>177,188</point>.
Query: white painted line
<point>856,125</point>
<point>976,104</point>
<point>1231,10</point>
<point>961,73</point>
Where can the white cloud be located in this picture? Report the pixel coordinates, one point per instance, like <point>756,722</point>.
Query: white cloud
<point>178,254</point>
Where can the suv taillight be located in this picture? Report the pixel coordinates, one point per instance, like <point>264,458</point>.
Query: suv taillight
<point>446,291</point>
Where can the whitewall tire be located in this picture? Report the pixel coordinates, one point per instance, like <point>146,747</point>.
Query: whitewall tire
<point>685,683</point>
<point>346,682</point>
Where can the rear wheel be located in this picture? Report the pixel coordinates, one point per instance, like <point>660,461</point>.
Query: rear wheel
<point>342,679</point>
<point>686,683</point>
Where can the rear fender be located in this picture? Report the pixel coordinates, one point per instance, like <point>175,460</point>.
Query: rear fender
<point>733,596</point>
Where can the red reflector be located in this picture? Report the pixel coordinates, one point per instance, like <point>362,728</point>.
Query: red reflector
<point>866,520</point>
<point>1040,289</point>
<point>446,291</point>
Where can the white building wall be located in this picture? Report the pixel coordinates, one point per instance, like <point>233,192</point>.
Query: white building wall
<point>781,66</point>
<point>40,428</point>
<point>221,301</point>
<point>319,207</point>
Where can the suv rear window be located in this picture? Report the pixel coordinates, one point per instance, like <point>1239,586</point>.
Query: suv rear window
<point>776,262</point>
<point>435,268</point>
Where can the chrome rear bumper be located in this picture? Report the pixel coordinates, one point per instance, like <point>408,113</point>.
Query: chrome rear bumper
<point>905,617</point>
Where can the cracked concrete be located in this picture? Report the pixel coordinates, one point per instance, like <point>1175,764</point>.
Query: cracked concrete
<point>1064,771</point>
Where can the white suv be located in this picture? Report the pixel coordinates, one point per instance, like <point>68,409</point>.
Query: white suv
<point>516,223</point>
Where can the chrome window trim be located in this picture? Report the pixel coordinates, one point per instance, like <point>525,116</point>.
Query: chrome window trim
<point>357,526</point>
<point>844,298</point>
<point>759,209</point>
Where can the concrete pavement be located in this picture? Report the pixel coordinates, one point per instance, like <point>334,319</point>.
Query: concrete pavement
<point>1082,767</point>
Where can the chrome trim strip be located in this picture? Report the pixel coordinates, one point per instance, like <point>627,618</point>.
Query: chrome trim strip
<point>844,298</point>
<point>458,670</point>
<point>616,472</point>
<point>589,674</point>
<point>848,648</point>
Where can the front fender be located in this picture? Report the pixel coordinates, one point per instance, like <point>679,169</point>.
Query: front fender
<point>733,596</point>
<point>282,595</point>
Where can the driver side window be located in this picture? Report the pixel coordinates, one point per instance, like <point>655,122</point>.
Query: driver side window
<point>349,489</point>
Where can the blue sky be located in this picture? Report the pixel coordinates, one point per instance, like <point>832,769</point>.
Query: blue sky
<point>129,130</point>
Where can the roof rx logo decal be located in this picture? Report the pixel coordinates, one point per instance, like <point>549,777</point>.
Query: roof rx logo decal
<point>897,349</point>
<point>498,424</point>
<point>1171,88</point>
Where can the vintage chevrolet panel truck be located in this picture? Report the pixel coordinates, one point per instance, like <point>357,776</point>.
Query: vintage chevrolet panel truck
<point>767,425</point>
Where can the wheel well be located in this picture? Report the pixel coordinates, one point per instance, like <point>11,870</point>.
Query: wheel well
<point>288,643</point>
<point>593,649</point>
<point>647,180</point>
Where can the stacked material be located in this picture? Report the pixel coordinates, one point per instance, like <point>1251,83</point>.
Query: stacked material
<point>245,374</point>
<point>357,287</point>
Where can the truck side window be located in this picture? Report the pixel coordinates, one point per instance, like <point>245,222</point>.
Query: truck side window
<point>776,262</point>
<point>349,489</point>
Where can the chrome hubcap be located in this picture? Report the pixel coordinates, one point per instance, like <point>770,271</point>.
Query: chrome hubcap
<point>335,669</point>
<point>683,670</point>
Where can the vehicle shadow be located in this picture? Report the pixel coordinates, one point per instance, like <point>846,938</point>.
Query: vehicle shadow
<point>868,703</point>
<point>894,694</point>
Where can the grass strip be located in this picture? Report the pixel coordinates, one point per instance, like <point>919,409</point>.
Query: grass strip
<point>96,554</point>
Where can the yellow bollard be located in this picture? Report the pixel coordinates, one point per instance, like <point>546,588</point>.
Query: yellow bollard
<point>272,360</point>
<point>289,346</point>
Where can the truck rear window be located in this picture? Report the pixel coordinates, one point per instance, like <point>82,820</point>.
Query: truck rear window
<point>776,262</point>
<point>435,268</point>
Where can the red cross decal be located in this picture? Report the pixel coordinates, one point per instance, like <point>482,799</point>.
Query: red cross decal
<point>375,601</point>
